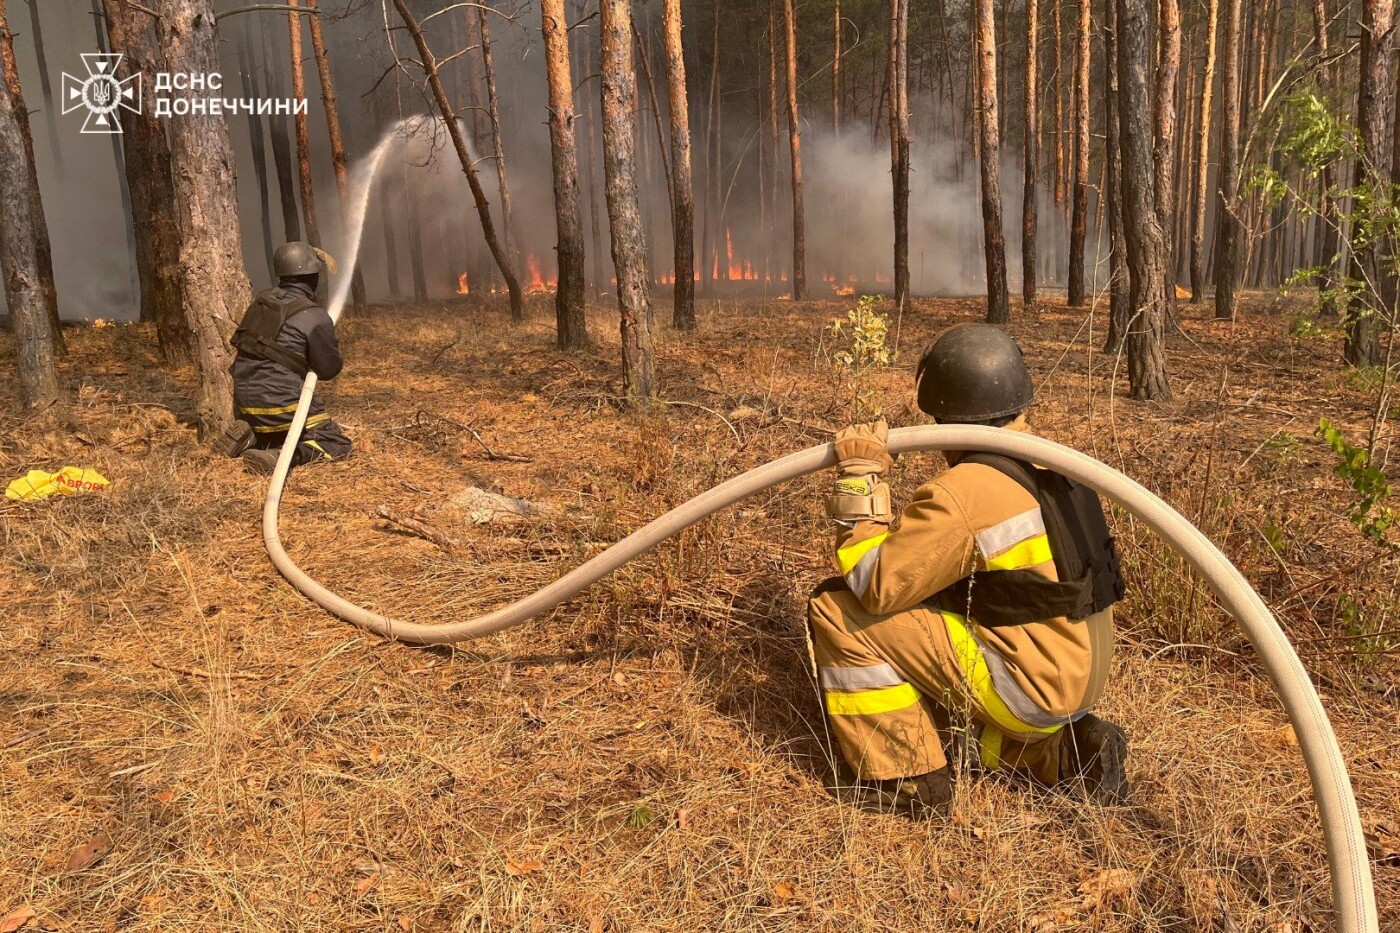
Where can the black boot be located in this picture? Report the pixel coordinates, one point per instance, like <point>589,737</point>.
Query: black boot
<point>236,439</point>
<point>260,461</point>
<point>921,797</point>
<point>1093,755</point>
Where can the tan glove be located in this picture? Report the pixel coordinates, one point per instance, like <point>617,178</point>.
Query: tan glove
<point>858,494</point>
<point>861,450</point>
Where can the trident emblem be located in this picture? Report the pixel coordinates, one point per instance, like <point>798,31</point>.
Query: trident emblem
<point>102,93</point>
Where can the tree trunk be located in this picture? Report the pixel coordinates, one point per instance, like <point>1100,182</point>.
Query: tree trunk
<point>1198,224</point>
<point>595,211</point>
<point>342,180</point>
<point>409,193</point>
<point>799,221</point>
<point>569,302</point>
<point>119,160</point>
<point>1059,88</point>
<point>1145,337</point>
<point>1328,237</point>
<point>303,128</point>
<point>1227,220</point>
<point>36,26</point>
<point>1119,301</point>
<point>644,58</point>
<point>1031,166</point>
<point>212,281</point>
<point>19,256</point>
<point>147,162</point>
<point>899,145</point>
<point>459,143</point>
<point>682,196</point>
<point>835,73</point>
<point>498,146</point>
<point>38,224</point>
<point>388,201</point>
<point>989,159</point>
<point>1164,151</point>
<point>281,141</point>
<point>709,232</point>
<point>248,84</point>
<point>774,140</point>
<point>1374,109</point>
<point>1078,292</point>
<point>624,212</point>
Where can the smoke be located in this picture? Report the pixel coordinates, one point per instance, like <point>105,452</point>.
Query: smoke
<point>743,202</point>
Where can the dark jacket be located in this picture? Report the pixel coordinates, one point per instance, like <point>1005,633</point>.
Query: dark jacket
<point>266,386</point>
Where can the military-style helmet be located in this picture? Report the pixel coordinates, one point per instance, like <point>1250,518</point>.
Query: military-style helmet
<point>973,372</point>
<point>296,259</point>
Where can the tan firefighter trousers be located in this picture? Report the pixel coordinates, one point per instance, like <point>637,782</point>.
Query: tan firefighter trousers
<point>890,683</point>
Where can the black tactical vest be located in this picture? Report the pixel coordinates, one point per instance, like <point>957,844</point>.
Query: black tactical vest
<point>1086,559</point>
<point>262,322</point>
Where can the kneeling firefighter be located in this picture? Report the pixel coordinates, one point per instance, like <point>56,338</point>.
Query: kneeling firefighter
<point>285,333</point>
<point>990,599</point>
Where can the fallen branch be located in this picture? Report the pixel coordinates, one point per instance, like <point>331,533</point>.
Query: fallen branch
<point>490,454</point>
<point>423,530</point>
<point>201,672</point>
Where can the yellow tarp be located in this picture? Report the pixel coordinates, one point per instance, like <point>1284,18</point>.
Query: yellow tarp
<point>69,481</point>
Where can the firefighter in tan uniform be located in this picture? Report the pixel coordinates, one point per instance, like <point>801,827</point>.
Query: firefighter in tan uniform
<point>898,651</point>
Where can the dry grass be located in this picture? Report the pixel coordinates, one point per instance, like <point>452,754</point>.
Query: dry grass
<point>651,756</point>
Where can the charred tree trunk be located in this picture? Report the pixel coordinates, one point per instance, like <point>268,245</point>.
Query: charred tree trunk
<point>1374,109</point>
<point>409,194</point>
<point>682,195</point>
<point>281,143</point>
<point>38,224</point>
<point>1145,337</point>
<point>989,158</point>
<point>569,302</point>
<point>19,256</point>
<point>624,212</point>
<point>342,180</point>
<point>1227,219</point>
<point>799,220</point>
<point>644,58</point>
<point>213,284</point>
<point>899,145</point>
<point>303,129</point>
<point>46,87</point>
<point>1198,224</point>
<point>1119,301</point>
<point>459,143</point>
<point>1164,151</point>
<point>132,33</point>
<point>1078,292</point>
<point>498,148</point>
<point>388,204</point>
<point>836,72</point>
<point>248,83</point>
<point>1031,160</point>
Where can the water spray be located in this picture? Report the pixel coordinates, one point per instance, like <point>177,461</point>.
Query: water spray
<point>1353,895</point>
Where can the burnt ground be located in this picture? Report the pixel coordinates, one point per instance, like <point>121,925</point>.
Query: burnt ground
<point>650,756</point>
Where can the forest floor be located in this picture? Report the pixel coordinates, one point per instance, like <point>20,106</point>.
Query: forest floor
<point>651,755</point>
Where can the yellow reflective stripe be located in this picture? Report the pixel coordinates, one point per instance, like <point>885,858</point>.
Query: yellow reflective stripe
<point>270,428</point>
<point>1028,553</point>
<point>323,416</point>
<point>317,446</point>
<point>871,702</point>
<point>989,747</point>
<point>979,679</point>
<point>850,555</point>
<point>280,410</point>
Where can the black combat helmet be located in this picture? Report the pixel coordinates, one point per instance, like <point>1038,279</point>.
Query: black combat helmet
<point>296,259</point>
<point>973,372</point>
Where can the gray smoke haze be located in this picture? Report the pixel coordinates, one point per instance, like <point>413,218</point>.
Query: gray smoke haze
<point>849,223</point>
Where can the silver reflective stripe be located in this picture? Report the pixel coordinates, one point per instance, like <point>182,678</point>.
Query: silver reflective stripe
<point>859,577</point>
<point>1013,531</point>
<point>860,678</point>
<point>1016,700</point>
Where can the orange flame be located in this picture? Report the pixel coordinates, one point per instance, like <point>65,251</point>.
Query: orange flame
<point>463,286</point>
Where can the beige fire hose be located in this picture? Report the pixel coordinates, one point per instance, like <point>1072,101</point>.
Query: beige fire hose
<point>1353,897</point>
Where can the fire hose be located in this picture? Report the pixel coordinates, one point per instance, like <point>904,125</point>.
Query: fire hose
<point>1353,896</point>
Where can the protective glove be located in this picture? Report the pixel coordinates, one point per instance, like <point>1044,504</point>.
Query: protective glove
<point>861,449</point>
<point>858,494</point>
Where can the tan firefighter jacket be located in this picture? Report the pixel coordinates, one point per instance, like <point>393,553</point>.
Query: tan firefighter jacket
<point>969,518</point>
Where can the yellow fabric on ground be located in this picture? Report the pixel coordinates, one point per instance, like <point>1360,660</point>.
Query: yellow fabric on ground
<point>69,481</point>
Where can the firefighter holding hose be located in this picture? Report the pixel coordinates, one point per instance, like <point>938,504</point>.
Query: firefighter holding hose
<point>285,333</point>
<point>982,621</point>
